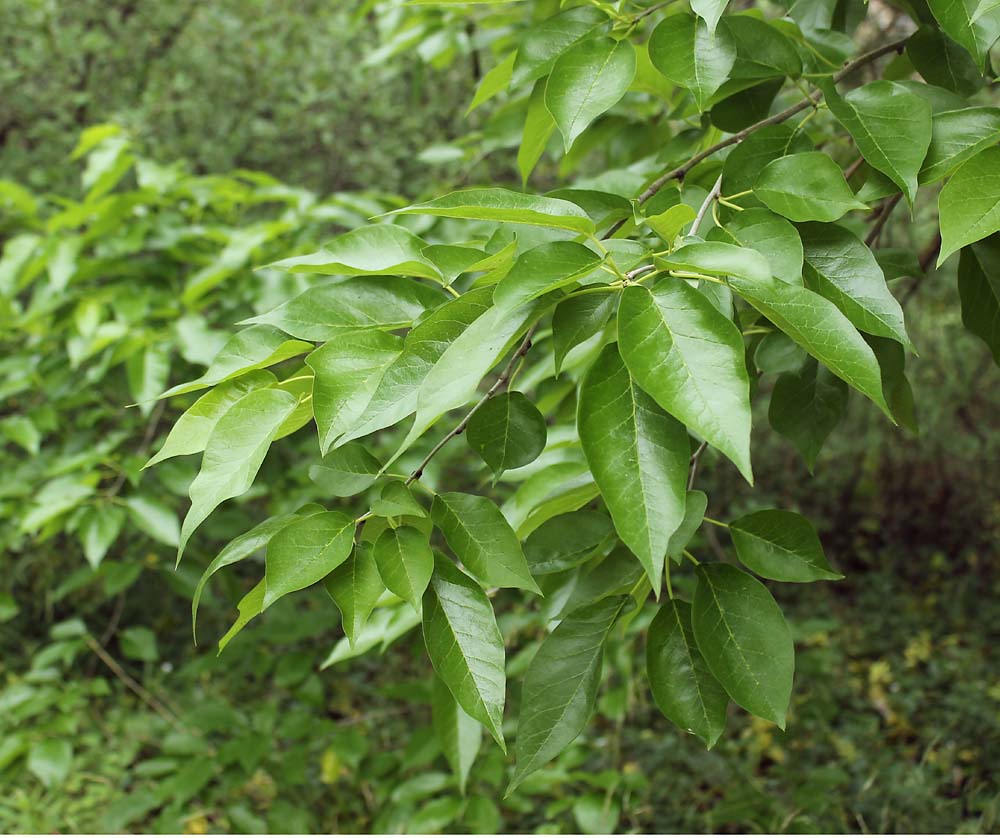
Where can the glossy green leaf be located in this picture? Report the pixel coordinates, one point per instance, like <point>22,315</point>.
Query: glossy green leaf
<point>345,471</point>
<point>465,645</point>
<point>578,319</point>
<point>586,80</point>
<point>746,160</point>
<point>482,539</point>
<point>979,290</point>
<point>639,458</point>
<point>366,251</point>
<point>405,562</point>
<point>684,50</point>
<point>505,205</point>
<point>770,235</point>
<point>334,310</point>
<point>780,545</point>
<point>744,639</point>
<point>460,735</point>
<point>538,128</point>
<point>957,136</point>
<point>806,405</point>
<point>355,586</point>
<point>956,19</point>
<point>507,432</point>
<point>543,43</point>
<point>566,541</point>
<point>690,359</point>
<point>542,269</point>
<point>820,328</point>
<point>347,373</point>
<point>695,505</point>
<point>669,223</point>
<point>560,686</point>
<point>969,204</point>
<point>305,551</point>
<point>718,259</point>
<point>891,126</point>
<point>807,186</point>
<point>684,689</point>
<point>234,453</point>
<point>840,266</point>
<point>494,81</point>
<point>762,51</point>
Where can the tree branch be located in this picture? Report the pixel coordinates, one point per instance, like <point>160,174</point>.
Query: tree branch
<point>713,193</point>
<point>887,207</point>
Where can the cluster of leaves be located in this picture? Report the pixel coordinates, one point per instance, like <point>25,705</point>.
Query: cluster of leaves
<point>639,308</point>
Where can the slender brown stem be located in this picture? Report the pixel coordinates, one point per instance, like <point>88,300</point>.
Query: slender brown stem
<point>850,171</point>
<point>694,464</point>
<point>808,102</point>
<point>887,207</point>
<point>508,370</point>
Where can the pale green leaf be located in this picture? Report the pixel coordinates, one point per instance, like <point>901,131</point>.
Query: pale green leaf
<point>538,128</point>
<point>345,471</point>
<point>772,236</point>
<point>544,268</point>
<point>807,186</point>
<point>460,735</point>
<point>969,204</point>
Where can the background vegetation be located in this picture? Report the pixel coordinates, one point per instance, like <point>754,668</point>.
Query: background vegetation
<point>144,231</point>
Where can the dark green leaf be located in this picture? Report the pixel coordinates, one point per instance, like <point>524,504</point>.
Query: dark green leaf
<point>688,54</point>
<point>806,406</point>
<point>355,586</point>
<point>507,432</point>
<point>979,289</point>
<point>405,562</point>
<point>578,319</point>
<point>460,735</point>
<point>780,545</point>
<point>566,541</point>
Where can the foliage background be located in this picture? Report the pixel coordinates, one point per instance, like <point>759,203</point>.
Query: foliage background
<point>896,721</point>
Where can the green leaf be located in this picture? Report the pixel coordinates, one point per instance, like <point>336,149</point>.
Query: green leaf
<point>956,19</point>
<point>494,81</point>
<point>746,160</point>
<point>638,456</point>
<point>891,126</point>
<point>560,686</point>
<point>396,500</point>
<point>234,453</point>
<point>334,310</point>
<point>543,269</point>
<point>504,205</point>
<point>251,349</point>
<point>405,562</point>
<point>235,551</point>
<point>386,626</point>
<point>395,397</point>
<point>819,327</point>
<point>507,432</point>
<point>695,505</point>
<point>762,52</point>
<point>979,290</point>
<point>969,204</point>
<point>99,528</point>
<point>138,643</point>
<point>347,373</point>
<point>941,61</point>
<point>460,735</point>
<point>151,515</point>
<point>355,586</point>
<point>669,223</point>
<point>465,645</point>
<point>566,541</point>
<point>780,545</point>
<point>959,135</point>
<point>687,53</point>
<point>543,43</point>
<point>482,539</point>
<point>148,371</point>
<point>898,393</point>
<point>615,575</point>
<point>578,319</point>
<point>842,268</point>
<point>191,431</point>
<point>709,11</point>
<point>50,761</point>
<point>743,636</point>
<point>690,359</point>
<point>718,259</point>
<point>806,187</point>
<point>774,237</point>
<point>538,128</point>
<point>684,690</point>
<point>367,251</point>
<point>249,607</point>
<point>345,471</point>
<point>305,551</point>
<point>587,80</point>
<point>806,406</point>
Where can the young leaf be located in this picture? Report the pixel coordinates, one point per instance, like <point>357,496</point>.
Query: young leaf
<point>578,319</point>
<point>638,456</point>
<point>806,406</point>
<point>355,586</point>
<point>306,551</point>
<point>542,269</point>
<point>494,81</point>
<point>234,453</point>
<point>460,735</point>
<point>587,80</point>
<point>772,236</point>
<point>718,259</point>
<point>560,686</point>
<point>842,268</point>
<point>566,541</point>
<point>684,690</point>
<point>743,636</point>
<point>806,187</point>
<point>818,326</point>
<point>405,562</point>
<point>969,204</point>
<point>979,290</point>
<point>465,645</point>
<point>482,539</point>
<point>538,128</point>
<point>891,126</point>
<point>780,545</point>
<point>507,432</point>
<point>690,359</point>
<point>684,49</point>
